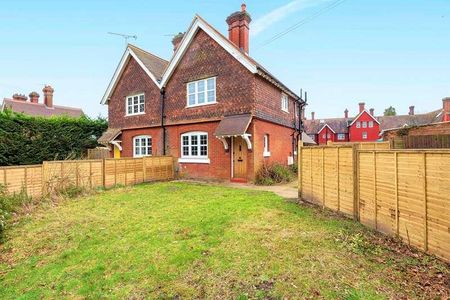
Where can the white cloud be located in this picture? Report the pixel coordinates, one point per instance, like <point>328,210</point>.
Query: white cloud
<point>278,14</point>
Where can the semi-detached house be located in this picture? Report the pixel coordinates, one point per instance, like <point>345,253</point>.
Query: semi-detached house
<point>211,106</point>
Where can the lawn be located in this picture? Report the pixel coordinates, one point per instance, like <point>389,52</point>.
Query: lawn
<point>186,240</point>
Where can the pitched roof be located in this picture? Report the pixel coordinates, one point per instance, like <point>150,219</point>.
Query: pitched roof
<point>40,109</point>
<point>154,64</point>
<point>392,122</point>
<point>338,125</point>
<point>160,70</point>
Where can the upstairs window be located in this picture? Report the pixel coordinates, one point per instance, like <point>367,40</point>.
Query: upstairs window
<point>284,103</point>
<point>135,105</point>
<point>358,124</point>
<point>341,136</point>
<point>370,124</point>
<point>142,146</point>
<point>364,124</point>
<point>201,92</point>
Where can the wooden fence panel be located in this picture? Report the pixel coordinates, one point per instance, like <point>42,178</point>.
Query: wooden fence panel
<point>438,203</point>
<point>398,192</point>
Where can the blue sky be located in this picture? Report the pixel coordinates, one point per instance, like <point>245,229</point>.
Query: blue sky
<point>383,52</point>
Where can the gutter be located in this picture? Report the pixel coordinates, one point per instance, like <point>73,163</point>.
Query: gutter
<point>163,117</point>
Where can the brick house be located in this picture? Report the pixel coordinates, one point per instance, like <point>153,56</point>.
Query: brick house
<point>20,104</point>
<point>213,107</point>
<point>366,127</point>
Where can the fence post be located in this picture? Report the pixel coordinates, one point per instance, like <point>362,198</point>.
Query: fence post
<point>375,189</point>
<point>396,193</point>
<point>425,204</point>
<point>337,178</point>
<point>323,177</point>
<point>311,174</point>
<point>144,169</point>
<point>299,169</point>
<point>355,158</point>
<point>104,172</point>
<point>26,180</point>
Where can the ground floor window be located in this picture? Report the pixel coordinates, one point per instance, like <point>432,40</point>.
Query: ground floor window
<point>266,145</point>
<point>194,146</point>
<point>142,146</point>
<point>364,135</point>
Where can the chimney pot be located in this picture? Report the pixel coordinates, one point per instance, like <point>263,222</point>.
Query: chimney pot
<point>239,28</point>
<point>411,110</point>
<point>346,113</point>
<point>48,95</point>
<point>312,115</point>
<point>34,97</point>
<point>361,106</point>
<point>372,112</point>
<point>446,108</point>
<point>176,41</point>
<point>19,97</point>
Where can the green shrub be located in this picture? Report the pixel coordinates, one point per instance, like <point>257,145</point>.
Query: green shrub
<point>26,140</point>
<point>275,173</point>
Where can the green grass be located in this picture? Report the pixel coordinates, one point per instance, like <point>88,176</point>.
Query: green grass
<point>169,240</point>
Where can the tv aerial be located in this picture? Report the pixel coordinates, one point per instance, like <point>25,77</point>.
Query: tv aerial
<point>126,37</point>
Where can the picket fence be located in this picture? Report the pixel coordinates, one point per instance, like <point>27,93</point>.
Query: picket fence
<point>398,192</point>
<point>40,180</point>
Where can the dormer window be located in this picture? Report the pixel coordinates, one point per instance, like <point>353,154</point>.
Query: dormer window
<point>135,105</point>
<point>201,92</point>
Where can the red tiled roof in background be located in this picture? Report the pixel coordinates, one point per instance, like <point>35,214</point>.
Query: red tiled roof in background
<point>39,109</point>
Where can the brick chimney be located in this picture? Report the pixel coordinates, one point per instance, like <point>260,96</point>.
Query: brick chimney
<point>446,108</point>
<point>48,95</point>
<point>239,28</point>
<point>361,106</point>
<point>176,41</point>
<point>34,97</point>
<point>19,97</point>
<point>411,110</point>
<point>372,112</point>
<point>312,115</point>
<point>346,113</point>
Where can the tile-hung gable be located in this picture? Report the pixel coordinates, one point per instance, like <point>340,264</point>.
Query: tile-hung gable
<point>211,106</point>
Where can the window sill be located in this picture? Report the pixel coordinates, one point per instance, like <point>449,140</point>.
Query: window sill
<point>285,111</point>
<point>266,154</point>
<point>199,105</point>
<point>194,160</point>
<point>138,114</point>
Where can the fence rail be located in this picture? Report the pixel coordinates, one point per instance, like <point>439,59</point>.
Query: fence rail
<point>397,192</point>
<point>364,145</point>
<point>40,180</point>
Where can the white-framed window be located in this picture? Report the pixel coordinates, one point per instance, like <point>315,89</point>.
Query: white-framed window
<point>142,146</point>
<point>324,136</point>
<point>358,124</point>
<point>364,135</point>
<point>194,147</point>
<point>370,124</point>
<point>329,135</point>
<point>201,92</point>
<point>135,104</point>
<point>364,124</point>
<point>284,103</point>
<point>341,136</point>
<point>266,141</point>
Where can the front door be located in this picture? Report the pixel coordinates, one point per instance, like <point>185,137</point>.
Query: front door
<point>239,158</point>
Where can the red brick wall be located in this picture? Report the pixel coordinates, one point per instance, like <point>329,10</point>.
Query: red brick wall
<point>205,58</point>
<point>128,135</point>
<point>133,81</point>
<point>268,104</point>
<point>220,163</point>
<point>372,133</point>
<point>280,143</point>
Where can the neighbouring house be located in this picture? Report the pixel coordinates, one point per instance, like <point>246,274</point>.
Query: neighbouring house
<point>366,127</point>
<point>20,104</point>
<point>211,106</point>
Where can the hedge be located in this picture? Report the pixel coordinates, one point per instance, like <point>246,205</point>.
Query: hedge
<point>31,140</point>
